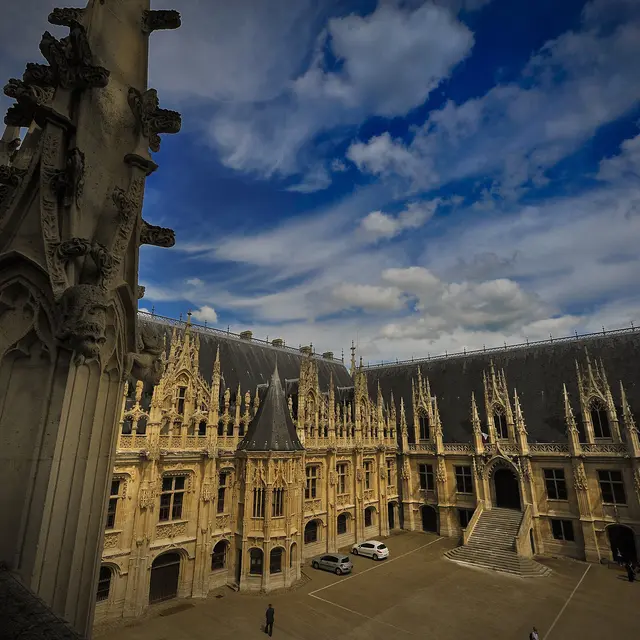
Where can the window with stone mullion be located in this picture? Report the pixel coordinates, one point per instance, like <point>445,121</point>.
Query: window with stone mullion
<point>172,498</point>
<point>612,487</point>
<point>556,484</point>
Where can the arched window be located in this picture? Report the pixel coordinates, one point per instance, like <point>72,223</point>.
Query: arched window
<point>275,560</point>
<point>600,420</point>
<point>104,584</point>
<point>277,502</point>
<point>230,429</point>
<point>221,428</point>
<point>500,423</point>
<point>202,428</point>
<point>424,427</point>
<point>255,562</point>
<point>241,429</point>
<point>127,426</point>
<point>343,523</point>
<point>311,532</point>
<point>258,503</point>
<point>219,555</point>
<point>368,516</point>
<point>141,425</point>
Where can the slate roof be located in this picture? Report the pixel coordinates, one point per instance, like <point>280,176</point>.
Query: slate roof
<point>250,362</point>
<point>272,428</point>
<point>536,371</point>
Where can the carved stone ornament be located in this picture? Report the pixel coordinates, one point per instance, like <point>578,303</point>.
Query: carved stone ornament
<point>28,98</point>
<point>333,476</point>
<point>383,473</point>
<point>81,320</point>
<point>10,179</point>
<point>359,474</point>
<point>80,247</point>
<point>147,364</point>
<point>579,479</point>
<point>141,291</point>
<point>156,236</point>
<point>441,471</point>
<point>65,17</point>
<point>69,183</point>
<point>151,119</point>
<point>70,61</point>
<point>161,19</point>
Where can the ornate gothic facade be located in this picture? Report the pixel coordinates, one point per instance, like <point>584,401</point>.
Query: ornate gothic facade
<point>247,459</point>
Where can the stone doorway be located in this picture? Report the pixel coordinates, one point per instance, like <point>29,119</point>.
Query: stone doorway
<point>622,538</point>
<point>507,489</point>
<point>165,572</point>
<point>392,515</point>
<point>429,518</point>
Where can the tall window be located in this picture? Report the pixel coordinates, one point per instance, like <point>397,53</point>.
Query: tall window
<point>258,503</point>
<point>423,424</point>
<point>464,482</point>
<point>311,531</point>
<point>556,485</point>
<point>310,488</point>
<point>342,478</point>
<point>342,523</point>
<point>277,503</point>
<point>255,562</point>
<point>427,481</point>
<point>172,497</point>
<point>275,560</point>
<point>113,504</point>
<point>104,584</point>
<point>612,487</point>
<point>220,428</point>
<point>241,429</point>
<point>230,429</point>
<point>500,423</point>
<point>368,517</point>
<point>368,466</point>
<point>222,490</point>
<point>390,472</point>
<point>600,420</point>
<point>202,428</point>
<point>562,529</point>
<point>182,392</point>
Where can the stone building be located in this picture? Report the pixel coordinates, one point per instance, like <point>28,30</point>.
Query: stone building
<point>247,459</point>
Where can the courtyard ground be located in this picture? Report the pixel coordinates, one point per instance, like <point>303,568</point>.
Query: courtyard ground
<point>415,593</point>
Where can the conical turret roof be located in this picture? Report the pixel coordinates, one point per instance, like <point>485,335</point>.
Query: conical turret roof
<point>272,428</point>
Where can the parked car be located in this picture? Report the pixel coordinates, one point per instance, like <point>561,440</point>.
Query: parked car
<point>338,563</point>
<point>372,548</point>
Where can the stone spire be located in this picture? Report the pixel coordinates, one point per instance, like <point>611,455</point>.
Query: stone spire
<point>272,428</point>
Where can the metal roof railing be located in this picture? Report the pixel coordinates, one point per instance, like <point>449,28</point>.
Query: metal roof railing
<point>204,328</point>
<point>513,347</point>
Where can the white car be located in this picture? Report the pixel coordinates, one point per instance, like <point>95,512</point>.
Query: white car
<point>372,548</point>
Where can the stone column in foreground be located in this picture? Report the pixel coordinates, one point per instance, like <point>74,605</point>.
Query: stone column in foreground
<point>70,230</point>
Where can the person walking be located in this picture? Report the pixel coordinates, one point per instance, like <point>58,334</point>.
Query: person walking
<point>271,613</point>
<point>534,634</point>
<point>631,574</point>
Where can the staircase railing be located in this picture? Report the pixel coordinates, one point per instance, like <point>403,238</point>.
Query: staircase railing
<point>466,534</point>
<point>523,542</point>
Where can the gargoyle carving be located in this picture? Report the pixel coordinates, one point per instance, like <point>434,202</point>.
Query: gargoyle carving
<point>156,236</point>
<point>140,292</point>
<point>81,320</point>
<point>70,62</point>
<point>65,17</point>
<point>147,364</point>
<point>162,19</point>
<point>151,119</point>
<point>10,179</point>
<point>29,98</point>
<point>79,247</point>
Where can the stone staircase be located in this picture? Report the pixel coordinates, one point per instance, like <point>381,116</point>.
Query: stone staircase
<point>492,546</point>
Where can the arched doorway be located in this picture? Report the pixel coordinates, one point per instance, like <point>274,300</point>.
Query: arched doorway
<point>429,518</point>
<point>621,538</point>
<point>165,572</point>
<point>507,489</point>
<point>392,515</point>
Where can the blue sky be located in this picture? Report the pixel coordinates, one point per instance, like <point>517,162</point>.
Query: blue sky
<point>419,176</point>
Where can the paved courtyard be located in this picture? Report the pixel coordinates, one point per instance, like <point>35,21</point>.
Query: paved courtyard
<point>415,593</point>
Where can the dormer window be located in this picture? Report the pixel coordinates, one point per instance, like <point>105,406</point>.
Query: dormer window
<point>500,423</point>
<point>182,392</point>
<point>600,420</point>
<point>423,424</point>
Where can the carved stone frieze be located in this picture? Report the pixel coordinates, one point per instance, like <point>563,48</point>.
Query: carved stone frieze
<point>223,522</point>
<point>70,62</point>
<point>151,119</point>
<point>549,447</point>
<point>81,320</point>
<point>171,530</point>
<point>458,447</point>
<point>112,540</point>
<point>147,496</point>
<point>160,19</point>
<point>156,236</point>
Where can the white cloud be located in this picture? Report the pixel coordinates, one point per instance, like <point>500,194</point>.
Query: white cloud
<point>377,225</point>
<point>206,314</point>
<point>390,61</point>
<point>368,297</point>
<point>623,166</point>
<point>515,132</point>
<point>194,282</point>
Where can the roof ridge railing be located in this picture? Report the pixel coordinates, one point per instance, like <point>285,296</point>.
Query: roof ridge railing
<point>512,347</point>
<point>154,317</point>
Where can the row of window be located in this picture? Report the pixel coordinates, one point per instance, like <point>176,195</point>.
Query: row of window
<point>598,414</point>
<point>312,475</point>
<point>611,483</point>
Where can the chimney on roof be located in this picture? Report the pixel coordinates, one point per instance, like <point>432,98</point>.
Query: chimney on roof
<point>306,350</point>
<point>328,355</point>
<point>246,335</point>
<point>278,342</point>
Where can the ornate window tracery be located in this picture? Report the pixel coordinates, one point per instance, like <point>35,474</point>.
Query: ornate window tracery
<point>599,419</point>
